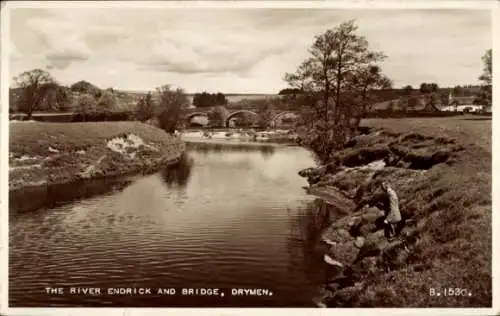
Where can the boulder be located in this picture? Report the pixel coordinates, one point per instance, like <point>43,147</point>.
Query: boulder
<point>360,241</point>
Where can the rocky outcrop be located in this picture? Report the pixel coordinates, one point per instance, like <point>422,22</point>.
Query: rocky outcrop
<point>355,244</point>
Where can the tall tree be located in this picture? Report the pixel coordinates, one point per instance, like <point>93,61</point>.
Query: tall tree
<point>485,94</point>
<point>335,70</point>
<point>170,105</point>
<point>34,86</point>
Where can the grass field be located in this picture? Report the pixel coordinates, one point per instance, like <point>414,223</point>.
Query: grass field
<point>469,129</point>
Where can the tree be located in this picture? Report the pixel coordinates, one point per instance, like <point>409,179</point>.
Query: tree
<point>426,88</point>
<point>407,90</point>
<point>107,103</point>
<point>245,119</point>
<point>341,71</point>
<point>206,99</point>
<point>83,86</point>
<point>362,84</point>
<point>220,99</point>
<point>145,108</point>
<point>217,116</point>
<point>59,98</point>
<point>86,105</point>
<point>264,114</point>
<point>485,94</point>
<point>34,88</point>
<point>170,105</point>
<point>412,103</point>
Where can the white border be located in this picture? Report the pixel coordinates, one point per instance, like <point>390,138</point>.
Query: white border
<point>355,4</point>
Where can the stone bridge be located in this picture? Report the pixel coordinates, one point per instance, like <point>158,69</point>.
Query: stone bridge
<point>274,116</point>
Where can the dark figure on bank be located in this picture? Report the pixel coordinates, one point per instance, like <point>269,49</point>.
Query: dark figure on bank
<point>386,199</point>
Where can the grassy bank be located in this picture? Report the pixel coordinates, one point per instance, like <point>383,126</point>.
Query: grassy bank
<point>441,170</point>
<point>55,153</point>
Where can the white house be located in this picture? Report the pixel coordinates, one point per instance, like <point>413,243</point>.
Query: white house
<point>463,104</point>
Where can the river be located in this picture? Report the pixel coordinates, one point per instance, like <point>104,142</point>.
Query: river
<point>226,217</point>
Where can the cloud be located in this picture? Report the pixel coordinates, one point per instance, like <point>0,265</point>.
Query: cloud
<point>238,49</point>
<point>62,59</point>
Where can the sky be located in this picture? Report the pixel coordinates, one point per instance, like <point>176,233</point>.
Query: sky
<point>236,50</point>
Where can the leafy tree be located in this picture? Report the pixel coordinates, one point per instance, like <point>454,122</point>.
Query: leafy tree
<point>407,90</point>
<point>83,86</point>
<point>220,99</point>
<point>363,84</point>
<point>217,116</point>
<point>426,88</point>
<point>245,119</point>
<point>264,114</point>
<point>206,99</point>
<point>290,91</point>
<point>485,94</point>
<point>487,75</point>
<point>145,108</point>
<point>171,103</point>
<point>341,71</point>
<point>86,105</point>
<point>59,98</point>
<point>34,88</point>
<point>107,103</point>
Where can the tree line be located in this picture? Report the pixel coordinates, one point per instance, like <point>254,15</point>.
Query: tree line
<point>206,99</point>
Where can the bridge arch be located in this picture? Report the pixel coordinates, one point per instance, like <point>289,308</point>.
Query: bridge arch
<point>275,118</point>
<point>191,115</point>
<point>230,116</point>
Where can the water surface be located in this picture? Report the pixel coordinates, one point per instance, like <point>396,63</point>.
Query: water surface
<point>224,217</point>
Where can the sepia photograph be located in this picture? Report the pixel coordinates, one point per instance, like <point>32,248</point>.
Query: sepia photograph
<point>231,155</point>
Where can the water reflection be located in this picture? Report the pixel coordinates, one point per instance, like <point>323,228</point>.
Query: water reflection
<point>211,147</point>
<point>179,173</point>
<point>50,196</point>
<point>307,227</point>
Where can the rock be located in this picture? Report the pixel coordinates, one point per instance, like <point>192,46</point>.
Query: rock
<point>305,172</point>
<point>329,260</point>
<point>360,241</point>
<point>329,242</point>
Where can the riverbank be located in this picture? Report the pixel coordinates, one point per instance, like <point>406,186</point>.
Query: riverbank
<point>444,187</point>
<point>50,154</point>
